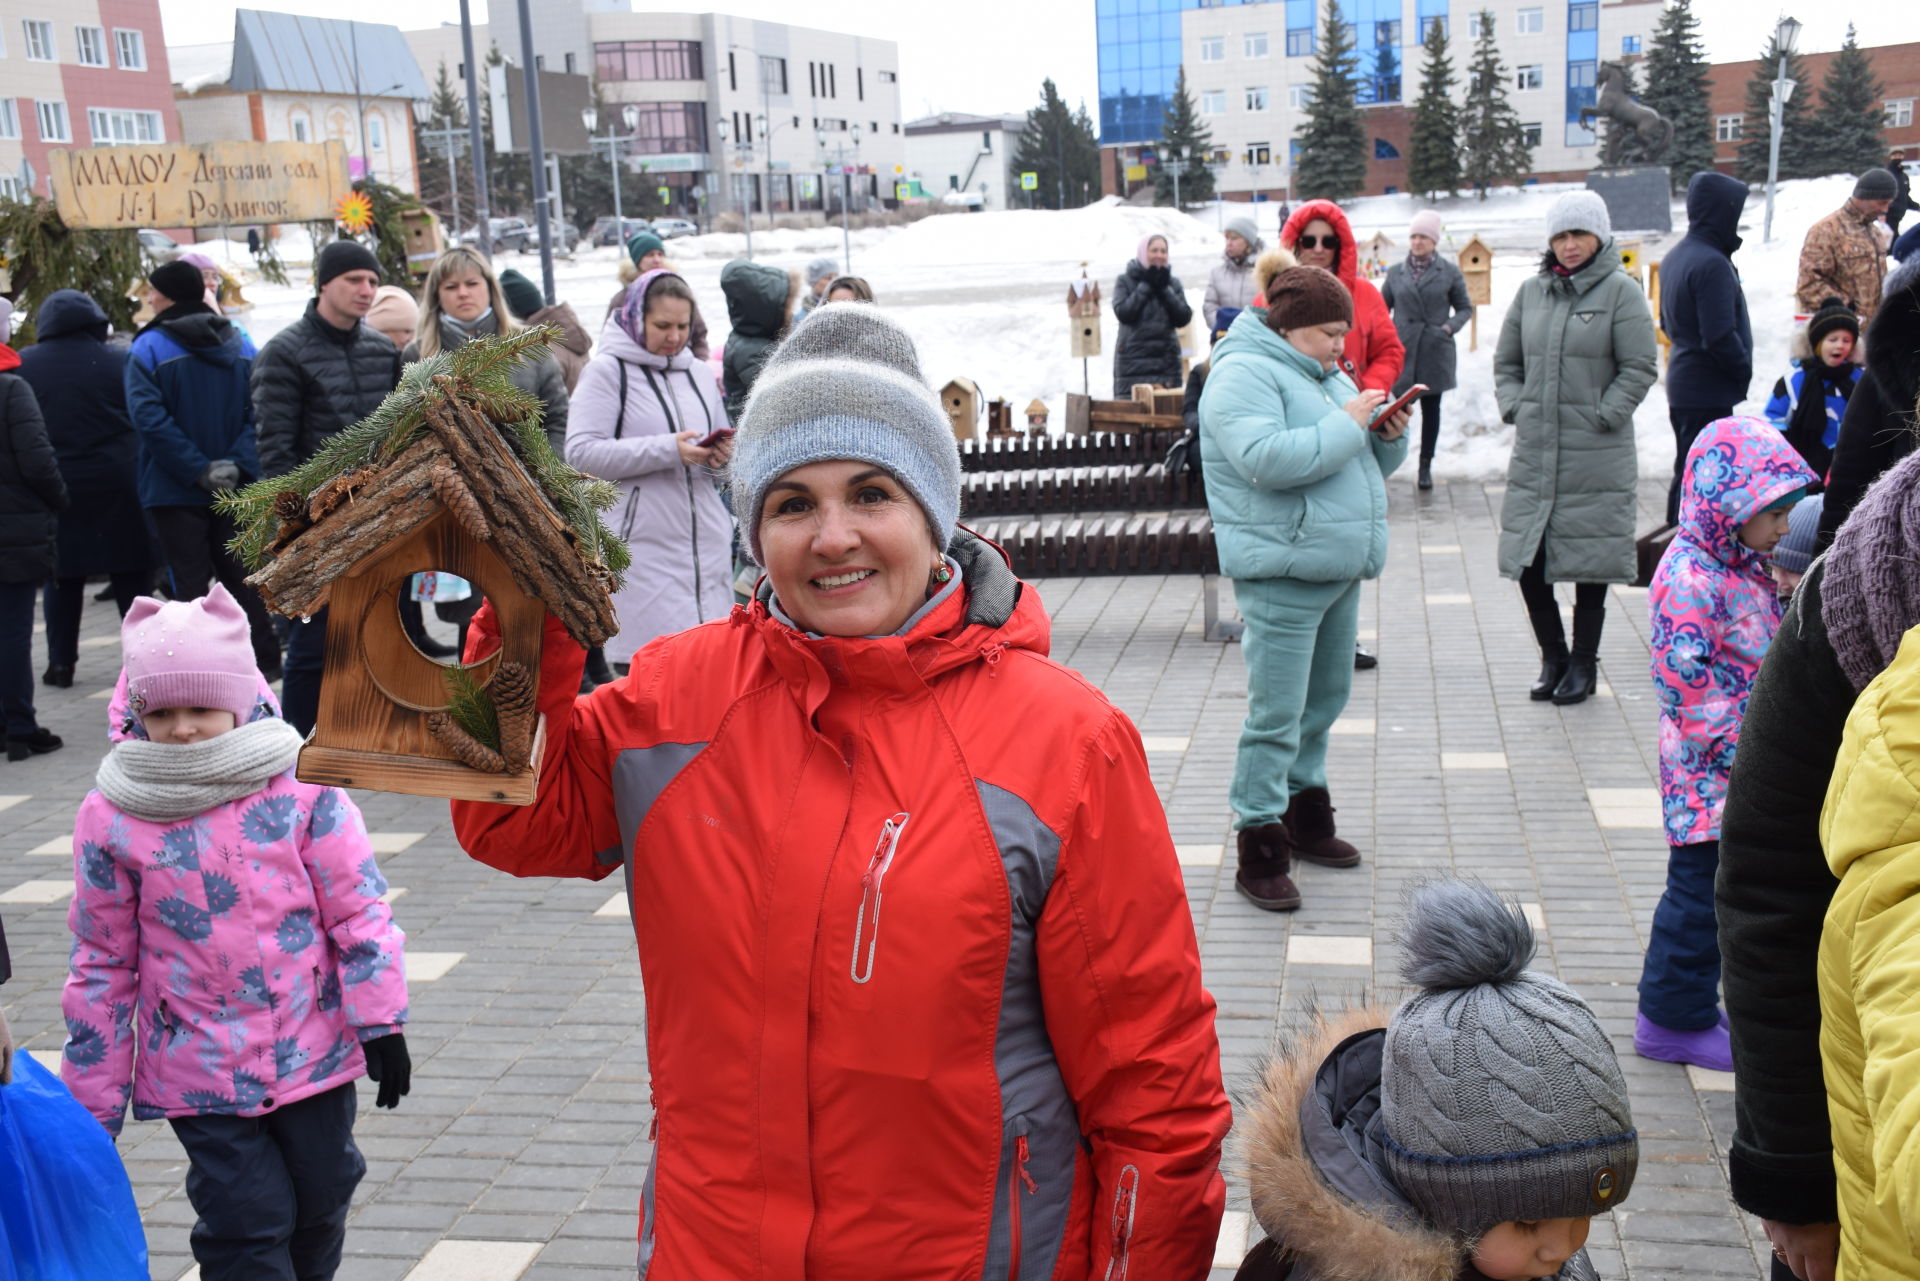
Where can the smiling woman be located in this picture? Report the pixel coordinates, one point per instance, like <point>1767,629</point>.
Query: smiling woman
<point>868,827</point>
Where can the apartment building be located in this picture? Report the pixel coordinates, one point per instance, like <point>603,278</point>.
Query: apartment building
<point>1896,65</point>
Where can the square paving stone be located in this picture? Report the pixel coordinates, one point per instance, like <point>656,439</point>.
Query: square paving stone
<point>476,1261</point>
<point>1329,949</point>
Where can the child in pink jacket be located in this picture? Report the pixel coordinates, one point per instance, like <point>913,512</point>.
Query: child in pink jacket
<point>234,969</point>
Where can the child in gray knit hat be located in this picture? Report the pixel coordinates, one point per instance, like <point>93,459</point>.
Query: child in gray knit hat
<point>1470,1137</point>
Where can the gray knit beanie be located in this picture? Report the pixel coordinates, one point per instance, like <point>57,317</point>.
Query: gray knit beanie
<point>1501,1097</point>
<point>822,269</point>
<point>846,385</point>
<point>1579,211</point>
<point>1244,228</point>
<point>1876,184</point>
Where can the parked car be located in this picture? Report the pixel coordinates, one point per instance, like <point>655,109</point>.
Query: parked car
<point>158,244</point>
<point>608,230</point>
<point>972,201</point>
<point>504,234</point>
<point>673,228</point>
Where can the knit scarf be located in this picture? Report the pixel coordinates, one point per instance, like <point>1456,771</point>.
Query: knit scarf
<point>1870,586</point>
<point>166,782</point>
<point>1809,423</point>
<point>483,323</point>
<point>1417,265</point>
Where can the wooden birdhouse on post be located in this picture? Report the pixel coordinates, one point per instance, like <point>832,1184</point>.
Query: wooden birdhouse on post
<point>421,227</point>
<point>1083,318</point>
<point>1476,264</point>
<point>962,401</point>
<point>452,474</point>
<point>1378,250</point>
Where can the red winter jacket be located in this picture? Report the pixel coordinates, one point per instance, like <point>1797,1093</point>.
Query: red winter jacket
<point>1374,355</point>
<point>1011,1070</point>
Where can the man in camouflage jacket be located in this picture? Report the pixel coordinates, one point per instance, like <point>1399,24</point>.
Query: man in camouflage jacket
<point>1842,257</point>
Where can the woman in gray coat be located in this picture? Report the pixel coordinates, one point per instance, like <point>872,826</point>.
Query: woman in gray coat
<point>1427,296</point>
<point>1230,286</point>
<point>1576,356</point>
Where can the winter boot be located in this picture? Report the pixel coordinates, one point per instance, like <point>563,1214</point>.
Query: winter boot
<point>1426,474</point>
<point>1583,674</point>
<point>1553,666</point>
<point>1309,823</point>
<point>1710,1047</point>
<point>38,743</point>
<point>1262,878</point>
<point>1363,658</point>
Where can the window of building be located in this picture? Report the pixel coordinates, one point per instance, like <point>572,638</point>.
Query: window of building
<point>40,46</point>
<point>1581,75</point>
<point>1427,25</point>
<point>773,74</point>
<point>1531,21</point>
<point>667,128</point>
<point>1729,128</point>
<point>1298,96</point>
<point>1259,153</point>
<point>130,46</point>
<point>650,60</point>
<point>1384,150</point>
<point>860,84</point>
<point>831,125</point>
<point>1583,17</point>
<point>571,64</point>
<point>1213,49</point>
<point>9,119</point>
<point>11,188</point>
<point>539,62</point>
<point>1213,102</point>
<point>1386,34</point>
<point>1532,133</point>
<point>1899,112</point>
<point>124,128</point>
<point>1629,44</point>
<point>1293,151</point>
<point>733,80</point>
<point>376,133</point>
<point>302,129</point>
<point>1531,76</point>
<point>90,46</point>
<point>53,121</point>
<point>1256,44</point>
<point>1300,42</point>
<point>1257,98</point>
<point>888,77</point>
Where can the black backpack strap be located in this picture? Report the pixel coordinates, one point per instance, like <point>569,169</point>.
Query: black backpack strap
<point>620,418</point>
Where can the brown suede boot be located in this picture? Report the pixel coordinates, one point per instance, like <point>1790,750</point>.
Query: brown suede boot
<point>1309,821</point>
<point>1262,877</point>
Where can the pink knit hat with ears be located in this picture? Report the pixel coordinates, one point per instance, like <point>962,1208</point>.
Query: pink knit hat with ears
<point>190,653</point>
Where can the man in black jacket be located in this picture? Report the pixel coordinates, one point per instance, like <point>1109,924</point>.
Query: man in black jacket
<point>324,372</point>
<point>1902,198</point>
<point>1704,313</point>
<point>1878,429</point>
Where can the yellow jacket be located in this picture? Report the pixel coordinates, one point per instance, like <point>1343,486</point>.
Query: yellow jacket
<point>1870,975</point>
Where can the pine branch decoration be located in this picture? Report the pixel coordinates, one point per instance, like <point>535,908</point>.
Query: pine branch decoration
<point>471,707</point>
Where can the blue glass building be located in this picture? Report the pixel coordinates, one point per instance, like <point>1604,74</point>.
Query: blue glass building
<point>1139,62</point>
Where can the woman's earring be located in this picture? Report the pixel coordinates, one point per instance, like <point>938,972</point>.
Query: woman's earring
<point>941,574</point>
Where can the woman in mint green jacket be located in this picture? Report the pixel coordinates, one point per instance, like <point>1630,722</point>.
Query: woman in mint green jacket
<point>1296,482</point>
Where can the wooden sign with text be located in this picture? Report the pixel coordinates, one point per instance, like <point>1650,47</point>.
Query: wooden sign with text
<point>210,184</point>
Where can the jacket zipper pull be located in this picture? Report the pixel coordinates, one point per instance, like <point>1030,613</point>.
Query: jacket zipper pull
<point>867,918</point>
<point>653,1126</point>
<point>1021,1157</point>
<point>1125,1198</point>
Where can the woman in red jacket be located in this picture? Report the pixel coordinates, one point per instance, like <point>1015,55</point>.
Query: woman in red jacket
<point>923,999</point>
<point>1318,235</point>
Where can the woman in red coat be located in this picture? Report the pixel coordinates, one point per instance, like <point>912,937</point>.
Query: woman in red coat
<point>1318,235</point>
<point>923,999</point>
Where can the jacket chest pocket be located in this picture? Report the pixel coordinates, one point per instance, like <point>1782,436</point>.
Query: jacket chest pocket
<point>1589,333</point>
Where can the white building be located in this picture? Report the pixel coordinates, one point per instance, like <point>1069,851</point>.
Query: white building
<point>749,114</point>
<point>1250,70</point>
<point>954,151</point>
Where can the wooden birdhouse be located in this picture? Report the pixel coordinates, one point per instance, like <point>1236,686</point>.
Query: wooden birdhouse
<point>1476,264</point>
<point>1083,318</point>
<point>963,404</point>
<point>452,492</point>
<point>421,228</point>
<point>1037,415</point>
<point>1377,251</point>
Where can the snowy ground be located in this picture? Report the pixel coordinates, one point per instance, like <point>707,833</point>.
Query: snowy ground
<point>984,294</point>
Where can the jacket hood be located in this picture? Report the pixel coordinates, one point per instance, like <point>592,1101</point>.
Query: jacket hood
<point>573,334</point>
<point>1349,251</point>
<point>1714,201</point>
<point>210,338</point>
<point>1303,1142</point>
<point>68,311</point>
<point>1736,468</point>
<point>1893,339</point>
<point>759,297</point>
<point>1249,335</point>
<point>617,342</point>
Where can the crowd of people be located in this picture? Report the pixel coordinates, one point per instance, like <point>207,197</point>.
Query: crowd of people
<point>1025,1061</point>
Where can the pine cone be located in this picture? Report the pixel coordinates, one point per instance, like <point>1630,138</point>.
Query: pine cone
<point>290,504</point>
<point>474,754</point>
<point>458,499</point>
<point>513,703</point>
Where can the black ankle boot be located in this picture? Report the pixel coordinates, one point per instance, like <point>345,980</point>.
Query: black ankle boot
<point>1426,475</point>
<point>1264,863</point>
<point>38,743</point>
<point>1583,667</point>
<point>1553,666</point>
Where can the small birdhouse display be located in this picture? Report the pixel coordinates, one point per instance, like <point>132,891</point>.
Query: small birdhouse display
<point>421,229</point>
<point>1476,264</point>
<point>963,403</point>
<point>1037,414</point>
<point>1083,317</point>
<point>1377,251</point>
<point>1632,260</point>
<point>453,473</point>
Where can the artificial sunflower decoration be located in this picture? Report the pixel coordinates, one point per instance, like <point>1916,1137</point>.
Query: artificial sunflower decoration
<point>354,213</point>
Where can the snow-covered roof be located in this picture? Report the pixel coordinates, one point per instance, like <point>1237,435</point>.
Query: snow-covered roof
<point>199,66</point>
<point>293,53</point>
<point>962,122</point>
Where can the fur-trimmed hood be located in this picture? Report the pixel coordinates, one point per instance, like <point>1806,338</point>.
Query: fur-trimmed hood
<point>1301,1147</point>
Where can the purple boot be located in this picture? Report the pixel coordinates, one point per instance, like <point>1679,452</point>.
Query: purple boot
<point>1708,1048</point>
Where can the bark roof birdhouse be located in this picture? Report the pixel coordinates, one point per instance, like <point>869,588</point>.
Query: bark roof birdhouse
<point>453,473</point>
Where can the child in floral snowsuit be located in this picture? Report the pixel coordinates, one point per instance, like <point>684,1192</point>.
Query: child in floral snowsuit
<point>234,968</point>
<point>1714,612</point>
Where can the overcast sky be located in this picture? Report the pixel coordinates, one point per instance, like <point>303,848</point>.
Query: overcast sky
<point>994,58</point>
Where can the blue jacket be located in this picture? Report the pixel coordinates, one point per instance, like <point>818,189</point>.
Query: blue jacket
<point>187,391</point>
<point>1786,399</point>
<point>1702,307</point>
<point>1296,487</point>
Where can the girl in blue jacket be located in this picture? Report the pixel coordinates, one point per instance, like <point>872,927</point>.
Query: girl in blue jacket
<point>1296,467</point>
<point>1810,399</point>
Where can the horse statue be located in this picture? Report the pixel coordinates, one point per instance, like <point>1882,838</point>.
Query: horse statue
<point>1626,118</point>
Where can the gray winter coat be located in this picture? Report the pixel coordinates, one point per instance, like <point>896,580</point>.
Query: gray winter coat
<point>540,376</point>
<point>1576,356</point>
<point>671,515</point>
<point>1230,284</point>
<point>1427,315</point>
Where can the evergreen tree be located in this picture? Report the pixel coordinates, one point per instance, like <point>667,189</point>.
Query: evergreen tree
<point>1851,121</point>
<point>1492,138</point>
<point>1799,143</point>
<point>1333,146</point>
<point>435,174</point>
<point>1185,144</point>
<point>1058,147</point>
<point>448,105</point>
<point>1677,89</point>
<point>1433,151</point>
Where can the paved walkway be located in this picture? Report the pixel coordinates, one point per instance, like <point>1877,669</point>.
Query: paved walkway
<point>522,1149</point>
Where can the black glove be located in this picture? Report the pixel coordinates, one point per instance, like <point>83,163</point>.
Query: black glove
<point>1159,277</point>
<point>221,474</point>
<point>389,1064</point>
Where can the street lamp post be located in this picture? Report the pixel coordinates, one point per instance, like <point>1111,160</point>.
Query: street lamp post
<point>482,214</point>
<point>1785,36</point>
<point>740,150</point>
<point>629,116</point>
<point>446,138</point>
<point>846,189</point>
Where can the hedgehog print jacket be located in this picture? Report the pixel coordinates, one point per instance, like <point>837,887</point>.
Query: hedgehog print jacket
<point>1714,612</point>
<point>228,964</point>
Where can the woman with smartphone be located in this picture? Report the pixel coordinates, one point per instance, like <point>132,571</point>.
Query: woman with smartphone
<point>647,416</point>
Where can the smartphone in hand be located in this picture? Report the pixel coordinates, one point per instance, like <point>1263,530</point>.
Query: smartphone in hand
<point>1386,414</point>
<point>715,436</point>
